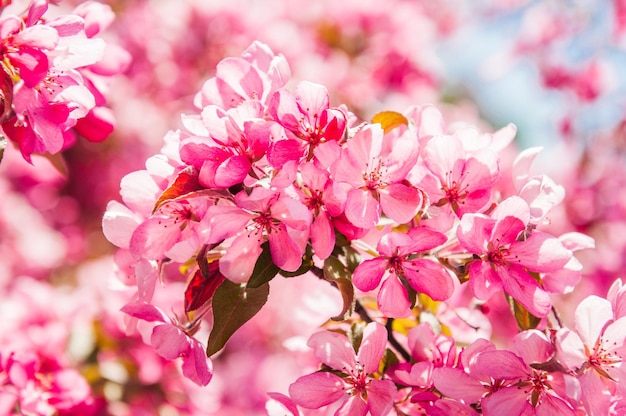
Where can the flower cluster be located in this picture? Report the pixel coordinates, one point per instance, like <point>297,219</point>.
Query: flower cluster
<point>413,220</point>
<point>53,77</point>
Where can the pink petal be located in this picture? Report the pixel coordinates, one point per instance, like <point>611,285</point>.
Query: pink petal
<point>590,317</point>
<point>570,349</point>
<point>197,366</point>
<point>372,347</point>
<point>145,312</point>
<point>362,209</point>
<point>524,289</point>
<point>484,281</point>
<point>333,349</point>
<point>457,384</point>
<point>501,364</point>
<point>393,298</point>
<point>354,406</point>
<point>533,346</point>
<point>552,405</point>
<point>286,404</point>
<point>312,98</point>
<point>282,151</point>
<point>169,342</point>
<point>595,396</point>
<point>426,276</point>
<point>221,222</point>
<point>316,390</point>
<point>232,171</point>
<point>238,262</point>
<point>322,236</point>
<point>507,401</point>
<point>474,232</point>
<point>285,253</point>
<point>369,273</point>
<point>541,252</point>
<point>513,206</point>
<point>380,397</point>
<point>154,237</point>
<point>426,238</point>
<point>118,224</point>
<point>400,202</point>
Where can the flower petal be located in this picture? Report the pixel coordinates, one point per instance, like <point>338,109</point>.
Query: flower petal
<point>316,390</point>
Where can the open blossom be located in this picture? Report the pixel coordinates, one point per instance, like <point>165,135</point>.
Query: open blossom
<point>373,176</point>
<point>307,119</point>
<point>45,90</point>
<point>396,262</point>
<point>364,393</point>
<point>457,177</point>
<point>525,390</point>
<point>264,215</point>
<point>506,258</point>
<point>595,351</point>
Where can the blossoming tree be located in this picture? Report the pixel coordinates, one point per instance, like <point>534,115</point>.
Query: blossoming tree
<point>412,264</point>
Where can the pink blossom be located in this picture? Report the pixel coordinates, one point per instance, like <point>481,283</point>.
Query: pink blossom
<point>306,117</point>
<point>373,176</point>
<point>595,351</point>
<point>459,178</point>
<point>364,393</point>
<point>525,389</point>
<point>395,262</point>
<point>171,341</point>
<point>264,215</point>
<point>507,256</point>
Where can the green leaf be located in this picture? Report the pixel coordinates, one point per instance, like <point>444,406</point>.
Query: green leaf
<point>264,268</point>
<point>525,320</point>
<point>307,263</point>
<point>233,306</point>
<point>337,273</point>
<point>389,120</point>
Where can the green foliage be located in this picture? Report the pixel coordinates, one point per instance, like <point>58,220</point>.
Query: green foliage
<point>233,306</point>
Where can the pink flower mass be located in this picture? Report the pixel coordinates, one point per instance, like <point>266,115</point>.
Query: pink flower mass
<point>312,208</point>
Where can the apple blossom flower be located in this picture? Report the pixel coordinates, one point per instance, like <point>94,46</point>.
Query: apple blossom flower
<point>373,176</point>
<point>459,178</point>
<point>595,351</point>
<point>396,263</point>
<point>307,118</point>
<point>505,259</point>
<point>353,381</point>
<point>525,389</point>
<point>264,215</point>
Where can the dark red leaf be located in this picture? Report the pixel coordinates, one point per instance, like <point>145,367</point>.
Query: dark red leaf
<point>201,289</point>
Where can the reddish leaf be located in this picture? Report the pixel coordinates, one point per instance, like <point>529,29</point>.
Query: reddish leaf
<point>185,183</point>
<point>201,289</point>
